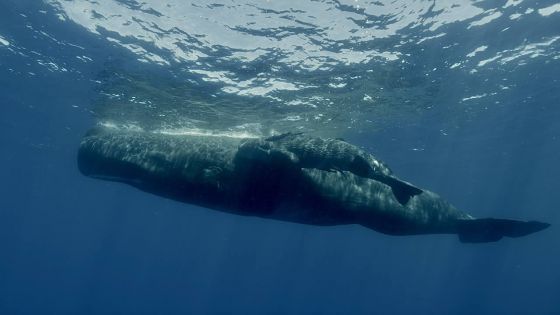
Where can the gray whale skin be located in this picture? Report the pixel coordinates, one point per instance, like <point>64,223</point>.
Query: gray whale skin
<point>290,177</point>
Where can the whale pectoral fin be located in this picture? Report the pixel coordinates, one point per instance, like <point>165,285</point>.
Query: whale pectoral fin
<point>491,230</point>
<point>402,190</point>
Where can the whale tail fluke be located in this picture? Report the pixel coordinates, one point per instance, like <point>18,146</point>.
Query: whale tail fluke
<point>491,230</point>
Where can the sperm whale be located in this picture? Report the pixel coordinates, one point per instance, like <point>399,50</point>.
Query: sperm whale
<point>289,177</point>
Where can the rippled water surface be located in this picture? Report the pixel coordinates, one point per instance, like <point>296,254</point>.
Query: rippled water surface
<point>326,66</point>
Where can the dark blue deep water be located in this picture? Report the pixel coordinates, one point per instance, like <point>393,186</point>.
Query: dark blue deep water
<point>460,97</point>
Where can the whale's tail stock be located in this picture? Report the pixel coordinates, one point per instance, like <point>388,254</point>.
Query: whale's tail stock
<point>491,230</point>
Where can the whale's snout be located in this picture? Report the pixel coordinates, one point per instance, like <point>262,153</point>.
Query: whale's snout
<point>95,159</point>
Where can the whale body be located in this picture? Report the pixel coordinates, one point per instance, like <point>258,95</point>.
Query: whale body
<point>288,177</point>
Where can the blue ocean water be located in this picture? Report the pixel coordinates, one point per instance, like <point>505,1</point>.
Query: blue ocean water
<point>459,97</point>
